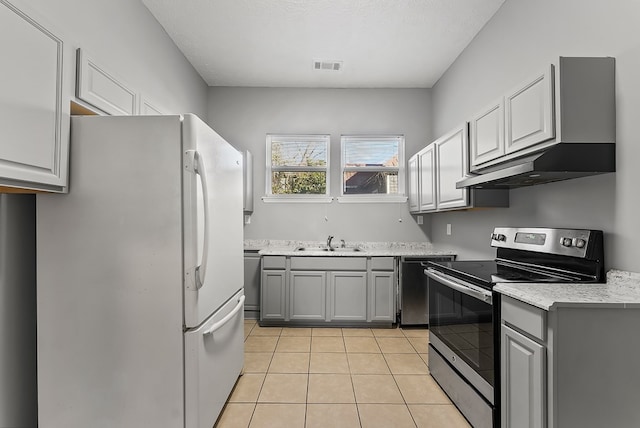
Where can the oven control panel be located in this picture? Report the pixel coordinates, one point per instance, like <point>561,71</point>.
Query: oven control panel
<point>569,242</point>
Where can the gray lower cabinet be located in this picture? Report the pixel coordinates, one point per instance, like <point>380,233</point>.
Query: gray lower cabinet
<point>252,280</point>
<point>522,380</point>
<point>523,372</point>
<point>328,290</point>
<point>273,295</point>
<point>348,296</point>
<point>571,366</point>
<point>307,295</point>
<point>382,296</point>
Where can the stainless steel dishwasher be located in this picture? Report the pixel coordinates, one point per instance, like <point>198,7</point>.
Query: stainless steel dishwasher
<point>414,299</point>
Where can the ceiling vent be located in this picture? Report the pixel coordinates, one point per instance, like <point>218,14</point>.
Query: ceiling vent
<point>327,65</point>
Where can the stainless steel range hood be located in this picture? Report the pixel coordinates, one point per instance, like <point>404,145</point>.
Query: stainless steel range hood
<point>561,161</point>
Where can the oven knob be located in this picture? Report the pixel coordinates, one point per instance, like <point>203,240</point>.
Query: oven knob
<point>501,237</point>
<point>580,243</point>
<point>565,242</point>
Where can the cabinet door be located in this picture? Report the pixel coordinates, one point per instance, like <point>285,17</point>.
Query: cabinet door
<point>486,131</point>
<point>452,166</point>
<point>529,112</point>
<point>307,294</point>
<point>412,169</point>
<point>273,292</point>
<point>523,380</point>
<point>251,281</point>
<point>35,143</point>
<point>382,296</point>
<point>348,296</point>
<point>427,178</point>
<point>102,89</point>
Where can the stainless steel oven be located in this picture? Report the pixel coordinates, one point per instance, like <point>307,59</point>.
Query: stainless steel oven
<point>464,312</point>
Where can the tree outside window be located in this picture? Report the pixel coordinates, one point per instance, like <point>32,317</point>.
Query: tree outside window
<point>297,164</point>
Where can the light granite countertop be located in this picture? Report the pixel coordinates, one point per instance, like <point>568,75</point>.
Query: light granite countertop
<point>622,290</point>
<point>367,249</point>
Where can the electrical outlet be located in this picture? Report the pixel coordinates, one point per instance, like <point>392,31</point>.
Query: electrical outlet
<point>419,219</point>
<point>448,228</point>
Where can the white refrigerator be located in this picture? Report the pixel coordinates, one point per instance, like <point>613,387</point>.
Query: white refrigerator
<point>140,277</point>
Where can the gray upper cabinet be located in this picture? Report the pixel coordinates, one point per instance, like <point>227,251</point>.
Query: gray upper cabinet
<point>486,133</point>
<point>571,102</point>
<point>529,112</point>
<point>427,178</point>
<point>422,180</point>
<point>33,116</point>
<point>438,167</point>
<point>412,172</point>
<point>148,108</point>
<point>452,166</point>
<point>102,89</point>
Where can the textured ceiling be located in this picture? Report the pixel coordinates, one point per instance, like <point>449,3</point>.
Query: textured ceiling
<point>272,43</point>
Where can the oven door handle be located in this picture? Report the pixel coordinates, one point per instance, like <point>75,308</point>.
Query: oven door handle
<point>461,286</point>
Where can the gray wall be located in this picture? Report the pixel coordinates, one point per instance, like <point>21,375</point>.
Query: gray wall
<point>524,37</point>
<point>18,407</point>
<point>123,37</point>
<point>245,115</point>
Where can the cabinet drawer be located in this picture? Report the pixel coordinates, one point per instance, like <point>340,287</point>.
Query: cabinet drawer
<point>382,263</point>
<point>274,262</point>
<point>329,263</point>
<point>527,318</point>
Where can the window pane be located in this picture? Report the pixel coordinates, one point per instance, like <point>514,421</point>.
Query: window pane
<point>371,153</point>
<point>370,182</point>
<point>302,153</point>
<point>298,183</point>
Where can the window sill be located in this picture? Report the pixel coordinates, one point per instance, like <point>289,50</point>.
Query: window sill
<point>369,199</point>
<point>298,199</point>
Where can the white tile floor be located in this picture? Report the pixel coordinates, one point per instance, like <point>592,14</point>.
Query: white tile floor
<point>333,377</point>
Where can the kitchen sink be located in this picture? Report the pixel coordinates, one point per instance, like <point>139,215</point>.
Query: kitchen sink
<point>337,250</point>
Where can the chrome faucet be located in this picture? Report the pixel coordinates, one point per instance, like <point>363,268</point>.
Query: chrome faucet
<point>342,243</point>
<point>329,239</point>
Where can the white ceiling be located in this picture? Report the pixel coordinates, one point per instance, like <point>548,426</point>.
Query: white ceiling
<point>272,43</point>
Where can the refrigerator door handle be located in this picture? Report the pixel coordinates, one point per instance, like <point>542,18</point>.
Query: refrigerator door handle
<point>201,270</point>
<point>218,325</point>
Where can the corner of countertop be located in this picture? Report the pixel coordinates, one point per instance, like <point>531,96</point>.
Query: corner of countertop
<point>621,290</point>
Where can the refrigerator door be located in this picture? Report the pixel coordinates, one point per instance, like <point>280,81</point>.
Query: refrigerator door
<point>213,360</point>
<point>213,234</point>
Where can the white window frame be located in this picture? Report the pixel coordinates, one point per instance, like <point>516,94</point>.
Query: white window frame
<point>400,197</point>
<point>305,198</point>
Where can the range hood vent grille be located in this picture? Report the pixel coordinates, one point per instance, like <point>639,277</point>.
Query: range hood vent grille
<point>562,161</point>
